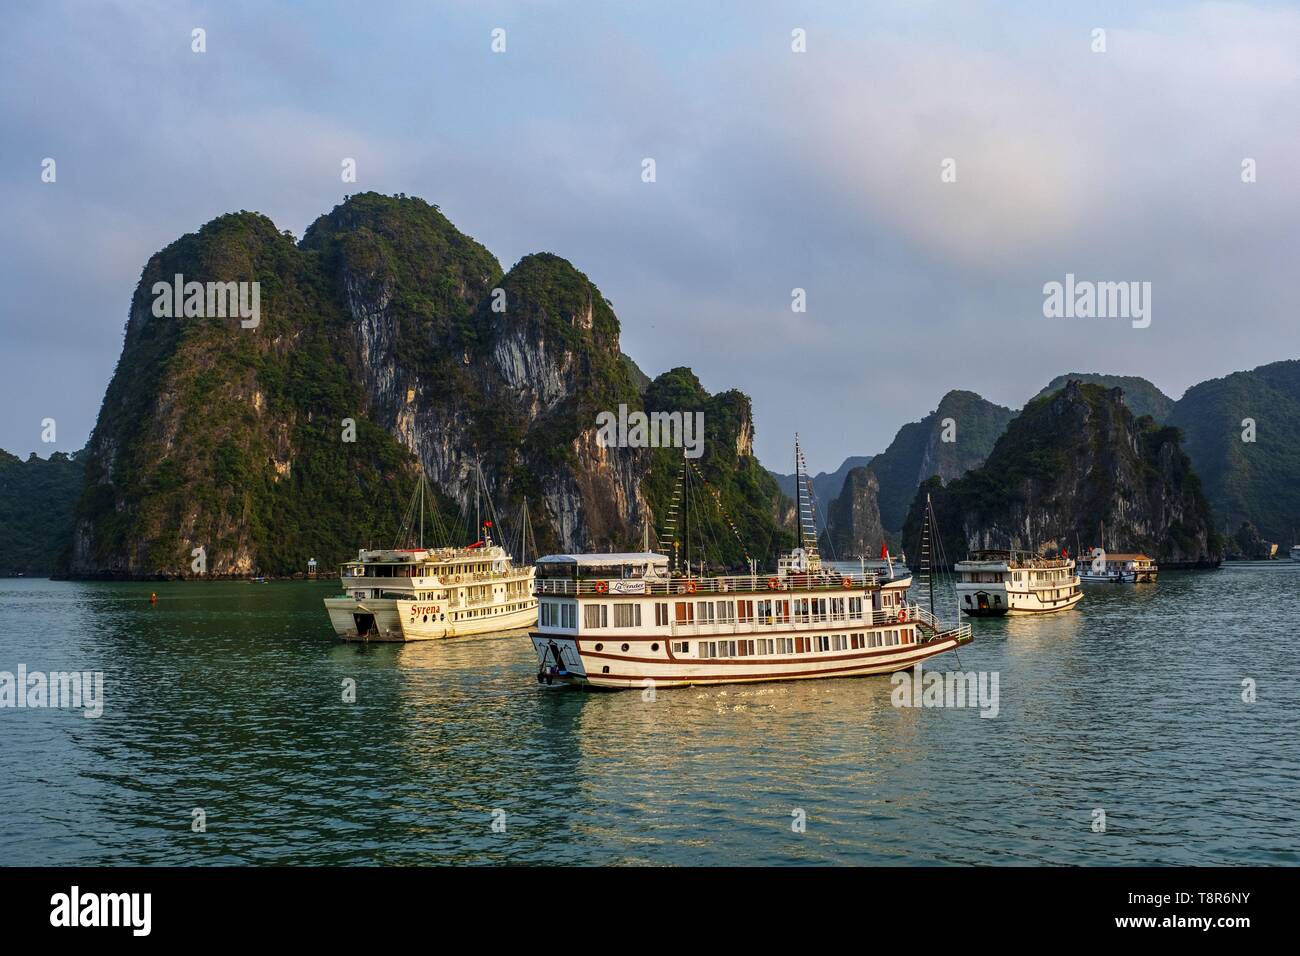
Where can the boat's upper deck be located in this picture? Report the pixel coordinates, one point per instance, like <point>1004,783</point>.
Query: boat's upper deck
<point>647,573</point>
<point>482,563</point>
<point>997,560</point>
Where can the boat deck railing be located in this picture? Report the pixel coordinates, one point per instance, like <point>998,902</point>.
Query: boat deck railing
<point>478,577</point>
<point>726,584</point>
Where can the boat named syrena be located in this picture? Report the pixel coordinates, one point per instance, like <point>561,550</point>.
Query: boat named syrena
<point>421,594</point>
<point>992,583</point>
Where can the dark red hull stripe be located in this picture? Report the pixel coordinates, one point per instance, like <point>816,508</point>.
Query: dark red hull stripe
<point>767,675</point>
<point>750,658</point>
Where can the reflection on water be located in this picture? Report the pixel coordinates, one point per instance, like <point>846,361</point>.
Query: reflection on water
<point>229,697</point>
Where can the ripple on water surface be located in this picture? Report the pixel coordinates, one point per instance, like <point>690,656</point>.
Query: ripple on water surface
<point>228,697</point>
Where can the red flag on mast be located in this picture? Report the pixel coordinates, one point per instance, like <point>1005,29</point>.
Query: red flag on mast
<point>884,551</point>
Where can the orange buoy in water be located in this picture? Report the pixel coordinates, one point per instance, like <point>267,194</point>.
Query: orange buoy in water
<point>153,598</point>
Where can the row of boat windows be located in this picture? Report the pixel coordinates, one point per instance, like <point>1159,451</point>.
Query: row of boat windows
<point>628,613</point>
<point>780,610</point>
<point>821,643</point>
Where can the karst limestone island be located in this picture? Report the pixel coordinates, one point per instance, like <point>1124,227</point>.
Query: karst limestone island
<point>387,343</point>
<point>1071,462</point>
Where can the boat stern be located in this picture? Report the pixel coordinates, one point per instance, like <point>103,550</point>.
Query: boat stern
<point>558,660</point>
<point>362,620</point>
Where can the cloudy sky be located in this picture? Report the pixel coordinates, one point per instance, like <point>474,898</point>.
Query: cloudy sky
<point>776,170</point>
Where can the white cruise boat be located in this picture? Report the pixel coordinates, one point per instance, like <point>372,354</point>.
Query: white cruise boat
<point>623,620</point>
<point>627,620</point>
<point>1295,552</point>
<point>1112,568</point>
<point>992,583</point>
<point>421,594</point>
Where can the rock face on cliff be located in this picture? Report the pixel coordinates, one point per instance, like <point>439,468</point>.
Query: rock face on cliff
<point>954,438</point>
<point>853,527</point>
<point>1242,433</point>
<point>1070,461</point>
<point>388,341</point>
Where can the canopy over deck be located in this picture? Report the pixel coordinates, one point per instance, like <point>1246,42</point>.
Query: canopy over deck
<point>610,564</point>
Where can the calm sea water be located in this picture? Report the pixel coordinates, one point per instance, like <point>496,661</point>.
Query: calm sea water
<point>227,697</point>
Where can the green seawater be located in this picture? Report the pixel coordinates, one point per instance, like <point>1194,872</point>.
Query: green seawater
<point>228,698</point>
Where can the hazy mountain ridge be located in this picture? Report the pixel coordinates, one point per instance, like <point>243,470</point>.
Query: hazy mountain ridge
<point>37,497</point>
<point>1140,395</point>
<point>1247,482</point>
<point>826,484</point>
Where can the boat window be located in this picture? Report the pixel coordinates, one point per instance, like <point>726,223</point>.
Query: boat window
<point>685,612</point>
<point>627,615</point>
<point>661,614</point>
<point>595,615</point>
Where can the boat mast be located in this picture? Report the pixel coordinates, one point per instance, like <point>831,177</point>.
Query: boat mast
<point>927,555</point>
<point>804,497</point>
<point>798,494</point>
<point>686,512</point>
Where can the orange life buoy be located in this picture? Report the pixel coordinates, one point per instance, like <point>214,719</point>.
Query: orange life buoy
<point>602,587</point>
<point>902,615</point>
<point>846,582</point>
<point>773,584</point>
<point>690,587</point>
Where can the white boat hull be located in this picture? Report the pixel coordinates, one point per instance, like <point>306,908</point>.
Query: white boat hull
<point>1012,603</point>
<point>385,619</point>
<point>649,663</point>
